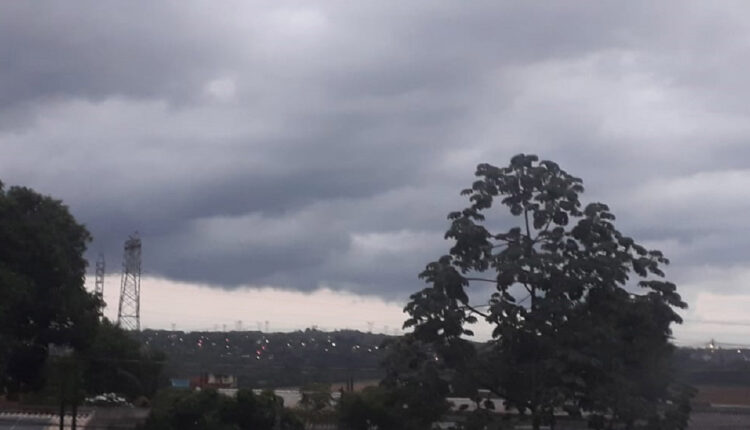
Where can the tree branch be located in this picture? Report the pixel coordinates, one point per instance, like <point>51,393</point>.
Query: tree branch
<point>529,289</point>
<point>493,281</point>
<point>526,217</point>
<point>478,312</point>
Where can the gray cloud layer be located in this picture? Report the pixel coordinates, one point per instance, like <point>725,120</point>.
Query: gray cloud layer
<point>302,145</point>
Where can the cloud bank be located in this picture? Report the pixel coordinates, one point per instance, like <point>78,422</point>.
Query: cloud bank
<point>304,146</point>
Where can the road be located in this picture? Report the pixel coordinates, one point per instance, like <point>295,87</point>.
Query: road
<point>25,421</point>
<point>122,418</point>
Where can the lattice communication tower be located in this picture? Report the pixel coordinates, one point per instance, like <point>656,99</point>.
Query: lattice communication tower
<point>99,283</point>
<point>129,311</point>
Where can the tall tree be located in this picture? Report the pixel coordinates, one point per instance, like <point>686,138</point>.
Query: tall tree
<point>580,312</point>
<point>42,297</point>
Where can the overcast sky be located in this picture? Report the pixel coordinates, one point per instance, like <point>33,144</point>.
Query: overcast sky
<point>273,150</point>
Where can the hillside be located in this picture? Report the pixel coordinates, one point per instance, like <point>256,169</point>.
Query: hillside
<point>270,359</point>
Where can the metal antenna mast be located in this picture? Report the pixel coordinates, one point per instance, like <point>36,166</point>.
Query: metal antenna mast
<point>99,283</point>
<point>129,312</point>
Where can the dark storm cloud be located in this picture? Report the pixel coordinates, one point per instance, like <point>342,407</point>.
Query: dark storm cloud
<point>98,50</point>
<point>307,145</point>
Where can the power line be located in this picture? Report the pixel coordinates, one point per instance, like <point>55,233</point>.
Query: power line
<point>718,322</point>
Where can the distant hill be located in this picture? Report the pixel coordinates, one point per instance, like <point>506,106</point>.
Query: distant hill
<point>270,359</point>
<point>714,366</point>
<point>276,360</point>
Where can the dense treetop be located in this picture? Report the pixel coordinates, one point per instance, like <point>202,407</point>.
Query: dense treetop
<point>581,312</point>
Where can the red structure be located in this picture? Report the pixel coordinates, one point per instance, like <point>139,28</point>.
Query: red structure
<point>210,380</point>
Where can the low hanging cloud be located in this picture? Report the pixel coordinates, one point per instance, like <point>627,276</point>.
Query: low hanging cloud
<point>304,146</point>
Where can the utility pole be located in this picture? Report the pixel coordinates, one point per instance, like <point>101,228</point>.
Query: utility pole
<point>129,311</point>
<point>66,369</point>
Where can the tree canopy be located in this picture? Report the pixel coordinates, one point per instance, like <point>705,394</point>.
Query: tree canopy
<point>117,362</point>
<point>42,297</point>
<point>580,312</point>
<point>209,410</point>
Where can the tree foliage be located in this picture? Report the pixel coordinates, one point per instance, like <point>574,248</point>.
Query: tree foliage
<point>209,410</point>
<point>115,362</point>
<point>580,312</point>
<point>42,298</point>
<point>411,396</point>
<point>316,397</point>
<point>373,407</point>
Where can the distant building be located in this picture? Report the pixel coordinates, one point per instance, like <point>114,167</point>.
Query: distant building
<point>210,380</point>
<point>179,383</point>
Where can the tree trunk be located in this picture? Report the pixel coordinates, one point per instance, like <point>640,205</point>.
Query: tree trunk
<point>62,414</point>
<point>536,421</point>
<point>62,404</point>
<point>73,416</point>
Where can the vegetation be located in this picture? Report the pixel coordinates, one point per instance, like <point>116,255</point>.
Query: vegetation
<point>316,402</point>
<point>45,310</point>
<point>412,395</point>
<point>117,362</point>
<point>581,318</point>
<point>209,410</point>
<point>373,407</point>
<point>42,298</point>
<point>580,312</point>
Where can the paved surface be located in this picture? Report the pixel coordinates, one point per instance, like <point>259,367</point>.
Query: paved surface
<point>25,421</point>
<point>719,421</point>
<point>37,421</point>
<point>116,418</point>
